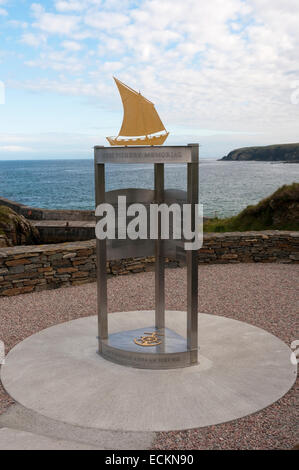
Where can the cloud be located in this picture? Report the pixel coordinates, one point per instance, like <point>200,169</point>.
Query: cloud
<point>49,145</point>
<point>76,87</point>
<point>18,24</point>
<point>106,20</point>
<point>14,148</point>
<point>64,6</point>
<point>218,65</point>
<point>3,12</point>
<point>75,5</point>
<point>58,61</point>
<point>71,45</point>
<point>16,139</point>
<point>54,23</point>
<point>112,67</point>
<point>32,39</point>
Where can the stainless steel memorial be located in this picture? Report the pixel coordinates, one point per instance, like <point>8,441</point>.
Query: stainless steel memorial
<point>156,346</point>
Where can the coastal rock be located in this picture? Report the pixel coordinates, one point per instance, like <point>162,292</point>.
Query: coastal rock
<point>4,241</point>
<point>283,152</point>
<point>15,229</point>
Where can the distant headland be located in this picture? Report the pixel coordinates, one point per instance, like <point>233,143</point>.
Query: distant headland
<point>270,153</point>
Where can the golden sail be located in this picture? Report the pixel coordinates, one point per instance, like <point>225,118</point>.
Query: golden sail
<point>140,120</point>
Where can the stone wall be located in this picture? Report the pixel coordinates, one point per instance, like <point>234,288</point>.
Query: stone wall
<point>36,213</point>
<point>58,231</point>
<point>33,268</point>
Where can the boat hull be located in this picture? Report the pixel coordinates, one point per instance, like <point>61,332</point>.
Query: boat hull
<point>154,140</point>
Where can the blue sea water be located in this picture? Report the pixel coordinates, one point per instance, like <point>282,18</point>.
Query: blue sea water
<point>225,187</point>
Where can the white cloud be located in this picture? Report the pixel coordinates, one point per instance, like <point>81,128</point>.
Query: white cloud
<point>69,6</point>
<point>106,20</point>
<point>34,40</point>
<point>51,145</point>
<point>109,44</point>
<point>65,87</point>
<point>54,23</point>
<point>75,5</point>
<point>16,139</point>
<point>112,67</point>
<point>219,65</point>
<point>58,61</point>
<point>18,24</point>
<point>3,12</point>
<point>71,45</point>
<point>14,148</point>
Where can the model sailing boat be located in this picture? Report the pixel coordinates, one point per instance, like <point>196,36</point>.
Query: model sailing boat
<point>140,120</point>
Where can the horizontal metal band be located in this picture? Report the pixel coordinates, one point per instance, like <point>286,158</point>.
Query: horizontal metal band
<point>155,154</point>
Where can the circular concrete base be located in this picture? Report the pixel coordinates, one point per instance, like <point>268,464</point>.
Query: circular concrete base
<point>59,374</point>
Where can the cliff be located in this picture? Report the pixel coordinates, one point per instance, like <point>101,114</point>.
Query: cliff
<point>270,153</point>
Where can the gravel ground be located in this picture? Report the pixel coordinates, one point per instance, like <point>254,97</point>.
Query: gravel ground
<point>265,295</point>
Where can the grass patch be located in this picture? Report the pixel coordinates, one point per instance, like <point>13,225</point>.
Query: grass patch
<point>280,211</point>
<point>4,213</point>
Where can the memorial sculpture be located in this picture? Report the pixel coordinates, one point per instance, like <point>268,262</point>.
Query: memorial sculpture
<point>154,346</point>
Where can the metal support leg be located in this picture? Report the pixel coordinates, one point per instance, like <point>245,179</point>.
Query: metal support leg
<point>159,266</point>
<point>101,260</point>
<point>192,265</point>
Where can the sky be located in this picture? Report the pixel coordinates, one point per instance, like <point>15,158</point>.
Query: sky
<point>224,73</point>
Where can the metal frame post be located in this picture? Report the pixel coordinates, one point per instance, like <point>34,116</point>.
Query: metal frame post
<point>101,260</point>
<point>159,252</point>
<point>192,259</point>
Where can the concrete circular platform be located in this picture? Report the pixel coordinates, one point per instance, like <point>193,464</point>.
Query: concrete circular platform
<point>58,374</point>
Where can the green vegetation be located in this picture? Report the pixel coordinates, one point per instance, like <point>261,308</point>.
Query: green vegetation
<point>16,229</point>
<point>4,214</point>
<point>280,211</point>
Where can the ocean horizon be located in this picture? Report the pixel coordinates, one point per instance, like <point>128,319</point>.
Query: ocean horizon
<point>225,188</point>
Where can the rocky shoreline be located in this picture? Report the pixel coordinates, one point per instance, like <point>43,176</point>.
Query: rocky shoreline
<point>287,153</point>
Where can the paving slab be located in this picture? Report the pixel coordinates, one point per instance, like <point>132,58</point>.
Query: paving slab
<point>23,419</point>
<point>58,374</point>
<point>12,439</point>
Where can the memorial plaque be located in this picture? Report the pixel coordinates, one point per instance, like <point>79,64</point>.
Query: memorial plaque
<point>156,154</point>
<point>120,248</point>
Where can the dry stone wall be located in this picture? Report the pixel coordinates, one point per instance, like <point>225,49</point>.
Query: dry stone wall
<point>33,268</point>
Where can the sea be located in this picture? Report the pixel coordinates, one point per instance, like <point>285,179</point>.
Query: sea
<point>225,188</point>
